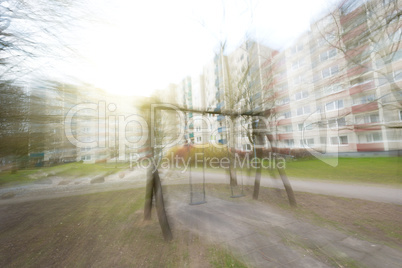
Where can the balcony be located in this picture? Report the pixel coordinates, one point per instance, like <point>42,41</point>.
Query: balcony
<point>361,87</point>
<point>367,107</point>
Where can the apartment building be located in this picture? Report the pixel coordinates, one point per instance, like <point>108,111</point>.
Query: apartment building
<point>48,106</point>
<point>336,89</point>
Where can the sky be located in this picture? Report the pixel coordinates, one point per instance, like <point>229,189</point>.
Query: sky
<point>135,47</point>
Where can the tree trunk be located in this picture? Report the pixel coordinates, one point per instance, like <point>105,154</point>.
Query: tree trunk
<point>232,171</point>
<point>288,187</point>
<point>160,208</point>
<point>257,180</point>
<point>233,175</point>
<point>149,195</point>
<point>154,187</point>
<point>284,177</point>
<point>231,149</point>
<point>257,183</point>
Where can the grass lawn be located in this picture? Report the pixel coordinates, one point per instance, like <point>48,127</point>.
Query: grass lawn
<point>70,170</point>
<point>98,230</point>
<point>386,170</point>
<point>381,170</point>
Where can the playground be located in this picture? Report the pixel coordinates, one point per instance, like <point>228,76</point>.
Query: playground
<point>104,226</point>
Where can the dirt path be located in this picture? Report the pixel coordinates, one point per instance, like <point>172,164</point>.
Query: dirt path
<point>266,237</point>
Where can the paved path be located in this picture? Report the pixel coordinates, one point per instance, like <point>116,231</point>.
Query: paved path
<point>55,186</point>
<point>377,193</point>
<point>266,237</point>
<point>136,178</point>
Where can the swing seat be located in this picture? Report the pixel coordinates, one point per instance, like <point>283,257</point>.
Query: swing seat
<point>197,203</point>
<point>237,196</point>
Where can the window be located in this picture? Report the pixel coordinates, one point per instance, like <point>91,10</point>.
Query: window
<point>288,128</point>
<point>308,142</point>
<point>85,157</point>
<point>400,115</point>
<point>198,139</point>
<point>297,48</point>
<point>395,76</point>
<point>341,122</point>
<point>334,105</point>
<point>334,88</point>
<point>303,110</point>
<point>328,39</point>
<point>363,99</point>
<point>330,71</point>
<point>283,101</point>
<point>288,143</point>
<point>336,123</point>
<point>300,126</point>
<point>334,140</point>
<point>303,126</point>
<point>374,137</point>
<point>246,147</point>
<point>350,6</point>
<point>370,137</point>
<point>392,57</point>
<point>281,87</point>
<point>367,118</point>
<point>343,140</point>
<point>297,64</point>
<point>287,114</point>
<point>327,55</point>
<point>298,79</point>
<point>301,95</point>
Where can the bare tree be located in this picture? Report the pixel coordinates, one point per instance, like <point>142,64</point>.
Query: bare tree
<point>250,97</point>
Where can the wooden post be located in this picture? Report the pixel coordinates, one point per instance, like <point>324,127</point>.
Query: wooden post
<point>154,188</point>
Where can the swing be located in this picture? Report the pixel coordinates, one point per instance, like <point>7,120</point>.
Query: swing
<point>241,194</point>
<point>197,197</point>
